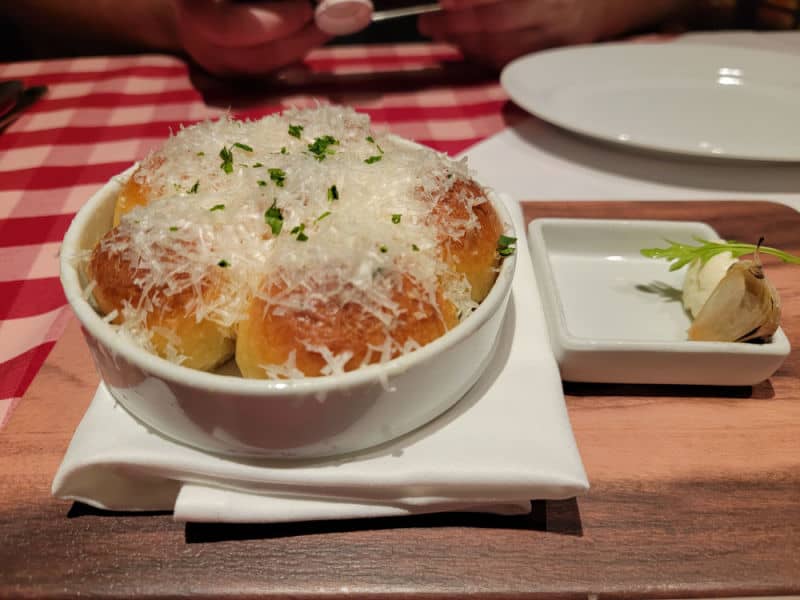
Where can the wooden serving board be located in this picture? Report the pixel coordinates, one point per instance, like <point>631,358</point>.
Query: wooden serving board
<point>695,492</point>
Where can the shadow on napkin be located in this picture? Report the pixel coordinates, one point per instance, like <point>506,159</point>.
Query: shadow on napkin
<point>551,516</point>
<point>80,509</point>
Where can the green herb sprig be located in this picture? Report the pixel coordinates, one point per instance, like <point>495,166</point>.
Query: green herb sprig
<point>506,245</point>
<point>226,154</point>
<point>321,147</point>
<point>227,160</point>
<point>278,176</point>
<point>274,218</point>
<point>682,254</point>
<point>299,231</point>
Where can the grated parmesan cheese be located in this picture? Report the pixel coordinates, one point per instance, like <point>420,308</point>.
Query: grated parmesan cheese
<point>355,215</point>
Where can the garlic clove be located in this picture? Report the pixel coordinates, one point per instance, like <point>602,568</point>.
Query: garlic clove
<point>744,306</point>
<point>702,278</point>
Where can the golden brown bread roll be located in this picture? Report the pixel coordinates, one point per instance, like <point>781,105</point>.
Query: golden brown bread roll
<point>335,328</point>
<point>170,320</point>
<point>133,194</point>
<point>474,252</point>
<point>305,241</point>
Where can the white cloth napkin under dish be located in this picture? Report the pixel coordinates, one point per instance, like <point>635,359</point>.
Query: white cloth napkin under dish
<point>507,442</point>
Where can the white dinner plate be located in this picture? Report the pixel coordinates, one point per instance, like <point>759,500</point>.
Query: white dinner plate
<point>712,101</point>
<point>615,316</point>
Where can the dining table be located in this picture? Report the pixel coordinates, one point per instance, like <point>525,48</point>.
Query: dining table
<point>695,490</point>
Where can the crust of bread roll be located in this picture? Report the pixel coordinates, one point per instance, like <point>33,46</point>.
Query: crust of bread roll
<point>473,254</point>
<point>272,335</point>
<point>204,343</point>
<point>414,217</point>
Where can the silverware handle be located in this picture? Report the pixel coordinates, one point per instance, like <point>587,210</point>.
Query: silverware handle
<point>396,13</point>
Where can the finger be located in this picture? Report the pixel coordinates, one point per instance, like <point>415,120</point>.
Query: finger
<point>464,4</point>
<point>258,59</point>
<point>232,24</point>
<point>509,16</point>
<point>498,50</point>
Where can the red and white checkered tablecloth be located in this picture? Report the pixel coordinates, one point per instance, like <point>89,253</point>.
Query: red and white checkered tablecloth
<point>102,114</point>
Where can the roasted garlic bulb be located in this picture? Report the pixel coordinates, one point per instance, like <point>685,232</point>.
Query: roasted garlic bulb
<point>744,306</point>
<point>702,278</point>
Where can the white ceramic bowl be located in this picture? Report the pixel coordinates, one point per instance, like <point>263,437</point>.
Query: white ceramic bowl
<point>302,418</point>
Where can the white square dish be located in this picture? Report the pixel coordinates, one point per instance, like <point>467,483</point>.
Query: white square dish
<point>615,316</point>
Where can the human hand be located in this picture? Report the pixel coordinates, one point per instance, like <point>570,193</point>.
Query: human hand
<point>498,31</point>
<point>235,39</point>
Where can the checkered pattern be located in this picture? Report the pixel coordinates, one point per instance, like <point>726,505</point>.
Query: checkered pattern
<point>102,114</point>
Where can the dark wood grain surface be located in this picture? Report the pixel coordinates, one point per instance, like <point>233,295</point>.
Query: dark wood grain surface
<point>695,492</point>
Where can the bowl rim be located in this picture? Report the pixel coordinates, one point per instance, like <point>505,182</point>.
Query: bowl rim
<point>94,325</point>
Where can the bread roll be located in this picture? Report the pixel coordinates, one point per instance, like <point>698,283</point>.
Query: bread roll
<point>326,328</point>
<point>167,315</point>
<point>306,241</point>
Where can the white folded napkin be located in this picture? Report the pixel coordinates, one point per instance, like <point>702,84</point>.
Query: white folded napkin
<point>508,441</point>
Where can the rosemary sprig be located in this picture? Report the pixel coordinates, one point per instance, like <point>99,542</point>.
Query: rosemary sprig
<point>682,254</point>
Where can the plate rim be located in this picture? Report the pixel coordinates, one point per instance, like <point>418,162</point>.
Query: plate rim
<point>670,47</point>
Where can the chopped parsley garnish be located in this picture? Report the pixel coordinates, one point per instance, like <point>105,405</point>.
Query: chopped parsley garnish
<point>227,160</point>
<point>261,182</point>
<point>333,193</point>
<point>217,207</point>
<point>373,159</point>
<point>298,231</point>
<point>274,218</point>
<point>278,176</point>
<point>371,140</point>
<point>224,263</point>
<point>295,130</point>
<point>415,248</point>
<point>506,245</point>
<point>681,254</point>
<point>396,218</point>
<point>173,228</point>
<point>320,148</point>
<point>283,150</point>
<point>201,154</point>
<point>384,249</point>
<point>322,216</point>
<point>256,165</point>
<point>226,154</point>
<point>195,187</point>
